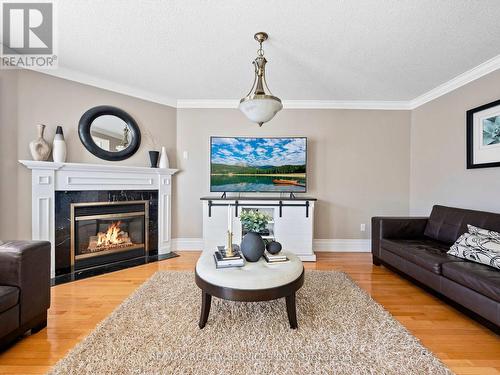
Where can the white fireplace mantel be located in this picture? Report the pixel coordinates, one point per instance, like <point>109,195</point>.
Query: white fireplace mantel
<point>49,177</point>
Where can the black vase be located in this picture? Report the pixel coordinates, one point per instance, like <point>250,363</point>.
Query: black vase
<point>273,247</point>
<point>252,246</point>
<point>153,158</point>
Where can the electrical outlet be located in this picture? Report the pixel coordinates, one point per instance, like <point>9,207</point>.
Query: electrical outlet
<point>185,154</point>
<point>362,227</point>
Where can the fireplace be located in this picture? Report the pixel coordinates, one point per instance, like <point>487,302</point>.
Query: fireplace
<point>107,232</point>
<point>56,186</point>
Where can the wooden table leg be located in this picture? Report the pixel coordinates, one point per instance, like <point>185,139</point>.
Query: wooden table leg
<point>206,301</point>
<point>291,310</point>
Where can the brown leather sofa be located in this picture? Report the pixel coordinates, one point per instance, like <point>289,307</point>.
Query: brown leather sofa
<point>417,246</point>
<point>24,288</point>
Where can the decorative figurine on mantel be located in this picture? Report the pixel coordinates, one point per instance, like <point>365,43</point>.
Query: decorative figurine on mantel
<point>40,148</point>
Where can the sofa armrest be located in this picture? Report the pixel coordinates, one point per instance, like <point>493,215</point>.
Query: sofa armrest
<point>26,265</point>
<point>396,227</point>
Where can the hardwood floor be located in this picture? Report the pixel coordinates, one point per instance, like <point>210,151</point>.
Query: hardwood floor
<point>464,345</point>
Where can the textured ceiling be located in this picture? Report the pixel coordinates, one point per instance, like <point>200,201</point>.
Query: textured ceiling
<point>318,50</point>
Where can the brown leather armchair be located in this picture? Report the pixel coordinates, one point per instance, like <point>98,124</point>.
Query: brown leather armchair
<point>24,288</point>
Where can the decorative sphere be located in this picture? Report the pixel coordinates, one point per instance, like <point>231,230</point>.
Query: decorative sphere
<point>252,246</point>
<point>273,247</point>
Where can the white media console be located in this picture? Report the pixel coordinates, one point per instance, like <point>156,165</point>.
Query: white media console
<point>292,224</point>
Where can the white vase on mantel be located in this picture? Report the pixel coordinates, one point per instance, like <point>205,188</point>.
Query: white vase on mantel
<point>164,158</point>
<point>59,146</point>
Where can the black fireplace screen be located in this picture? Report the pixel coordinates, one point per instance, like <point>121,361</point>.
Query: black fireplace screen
<point>105,232</point>
<point>99,236</point>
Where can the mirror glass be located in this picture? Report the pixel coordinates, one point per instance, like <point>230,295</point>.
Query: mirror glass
<point>111,133</point>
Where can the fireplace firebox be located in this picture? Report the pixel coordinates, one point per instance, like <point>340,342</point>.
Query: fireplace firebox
<point>107,232</point>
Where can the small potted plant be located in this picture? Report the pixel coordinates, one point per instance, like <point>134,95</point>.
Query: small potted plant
<point>254,221</point>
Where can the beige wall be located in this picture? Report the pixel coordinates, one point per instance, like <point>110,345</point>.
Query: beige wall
<point>438,152</point>
<point>8,152</point>
<point>349,151</point>
<point>359,160</point>
<point>358,163</point>
<point>54,101</point>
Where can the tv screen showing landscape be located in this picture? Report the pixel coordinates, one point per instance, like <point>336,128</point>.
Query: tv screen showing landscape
<point>240,164</point>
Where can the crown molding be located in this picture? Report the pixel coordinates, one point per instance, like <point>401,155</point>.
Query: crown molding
<point>208,103</point>
<point>301,104</point>
<point>346,104</point>
<point>86,79</point>
<point>462,79</point>
<point>456,82</point>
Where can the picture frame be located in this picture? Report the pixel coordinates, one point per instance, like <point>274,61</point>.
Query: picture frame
<point>483,136</point>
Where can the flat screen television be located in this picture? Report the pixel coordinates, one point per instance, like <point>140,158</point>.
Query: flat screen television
<point>243,164</point>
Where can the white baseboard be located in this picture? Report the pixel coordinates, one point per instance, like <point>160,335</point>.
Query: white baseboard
<point>342,245</point>
<point>187,244</point>
<point>330,245</point>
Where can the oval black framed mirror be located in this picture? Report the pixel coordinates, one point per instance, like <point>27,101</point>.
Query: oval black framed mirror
<point>109,133</point>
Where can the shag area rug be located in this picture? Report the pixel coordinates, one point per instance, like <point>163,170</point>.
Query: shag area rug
<point>342,330</point>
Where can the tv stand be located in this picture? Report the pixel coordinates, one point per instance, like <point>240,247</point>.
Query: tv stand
<point>292,221</point>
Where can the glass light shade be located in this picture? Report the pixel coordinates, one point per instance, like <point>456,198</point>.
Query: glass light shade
<point>260,108</point>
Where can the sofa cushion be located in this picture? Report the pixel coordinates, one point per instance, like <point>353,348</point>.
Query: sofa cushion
<point>484,232</point>
<point>480,249</point>
<point>427,254</point>
<point>482,279</point>
<point>446,224</point>
<point>9,297</point>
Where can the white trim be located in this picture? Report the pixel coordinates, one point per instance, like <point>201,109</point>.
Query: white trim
<point>86,79</point>
<point>208,103</point>
<point>347,104</point>
<point>301,104</point>
<point>342,245</point>
<point>456,82</point>
<point>326,245</point>
<point>462,79</point>
<point>187,244</point>
<point>82,167</point>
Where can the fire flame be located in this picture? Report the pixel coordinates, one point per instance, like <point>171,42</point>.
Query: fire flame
<point>113,236</point>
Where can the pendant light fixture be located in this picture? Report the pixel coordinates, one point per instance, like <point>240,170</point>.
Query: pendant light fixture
<point>259,105</point>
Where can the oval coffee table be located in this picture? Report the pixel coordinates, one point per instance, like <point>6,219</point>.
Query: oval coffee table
<point>256,281</point>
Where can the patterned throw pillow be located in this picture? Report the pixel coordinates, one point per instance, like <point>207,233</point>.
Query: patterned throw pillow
<point>483,232</point>
<point>477,248</point>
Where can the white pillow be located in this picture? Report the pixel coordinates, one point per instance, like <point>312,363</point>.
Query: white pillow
<point>483,232</point>
<point>477,248</point>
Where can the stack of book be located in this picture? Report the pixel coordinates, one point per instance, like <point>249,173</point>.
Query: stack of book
<point>277,258</point>
<point>224,261</point>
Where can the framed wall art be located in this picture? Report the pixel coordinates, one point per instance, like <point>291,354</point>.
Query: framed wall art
<point>483,136</point>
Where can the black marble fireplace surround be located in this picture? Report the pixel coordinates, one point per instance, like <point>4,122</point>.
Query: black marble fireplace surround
<point>63,259</point>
